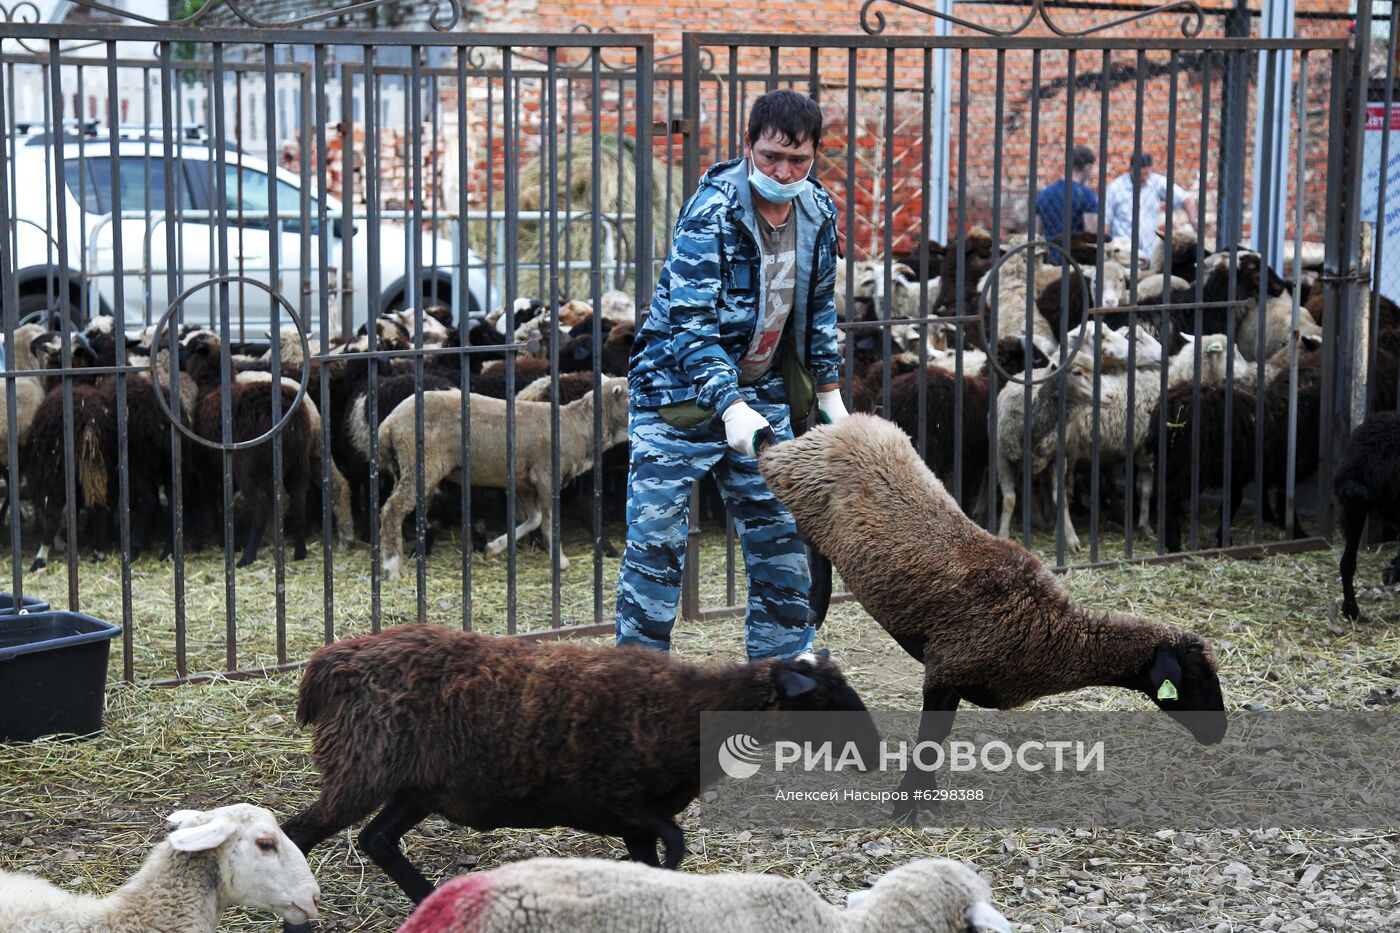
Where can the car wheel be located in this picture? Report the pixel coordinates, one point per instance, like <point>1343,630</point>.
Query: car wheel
<point>35,308</point>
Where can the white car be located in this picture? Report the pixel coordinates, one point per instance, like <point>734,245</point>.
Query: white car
<point>88,224</point>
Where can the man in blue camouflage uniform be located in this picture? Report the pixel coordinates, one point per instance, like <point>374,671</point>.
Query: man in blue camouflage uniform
<point>750,279</point>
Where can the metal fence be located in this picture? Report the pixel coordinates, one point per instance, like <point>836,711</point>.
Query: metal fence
<point>243,179</point>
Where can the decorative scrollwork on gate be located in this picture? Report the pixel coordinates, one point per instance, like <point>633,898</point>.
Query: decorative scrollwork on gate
<point>446,14</point>
<point>26,12</point>
<point>873,21</point>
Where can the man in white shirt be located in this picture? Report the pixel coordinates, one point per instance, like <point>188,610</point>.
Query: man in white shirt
<point>1152,197</point>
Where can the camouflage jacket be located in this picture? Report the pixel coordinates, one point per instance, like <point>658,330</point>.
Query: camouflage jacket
<point>710,295</point>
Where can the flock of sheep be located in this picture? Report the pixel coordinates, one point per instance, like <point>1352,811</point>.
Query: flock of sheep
<point>1119,391</point>
<point>370,413</point>
<point>406,724</point>
<point>1200,369</point>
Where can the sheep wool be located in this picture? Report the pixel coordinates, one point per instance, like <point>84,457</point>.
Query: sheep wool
<point>233,855</point>
<point>555,895</point>
<point>989,622</point>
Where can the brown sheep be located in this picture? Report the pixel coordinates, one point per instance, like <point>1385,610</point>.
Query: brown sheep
<point>250,405</point>
<point>45,465</point>
<point>989,623</point>
<point>980,254</point>
<point>491,732</point>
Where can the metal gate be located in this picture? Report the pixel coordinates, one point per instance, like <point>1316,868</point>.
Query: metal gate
<point>176,175</point>
<point>945,130</point>
<point>239,178</point>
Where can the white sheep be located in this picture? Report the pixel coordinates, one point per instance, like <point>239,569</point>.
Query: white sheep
<point>443,444</point>
<point>1044,419</point>
<point>618,307</point>
<point>1278,326</point>
<point>213,860</point>
<point>556,895</point>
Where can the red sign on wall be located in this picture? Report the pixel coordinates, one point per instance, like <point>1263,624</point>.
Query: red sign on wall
<point>1375,116</point>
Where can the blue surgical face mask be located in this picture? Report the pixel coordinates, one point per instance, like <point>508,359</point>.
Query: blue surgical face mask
<point>776,191</point>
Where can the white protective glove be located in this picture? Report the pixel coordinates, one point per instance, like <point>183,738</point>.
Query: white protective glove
<point>741,425</point>
<point>830,408</point>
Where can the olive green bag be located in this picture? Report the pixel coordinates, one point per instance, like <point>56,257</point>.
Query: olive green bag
<point>800,386</point>
<point>687,414</point>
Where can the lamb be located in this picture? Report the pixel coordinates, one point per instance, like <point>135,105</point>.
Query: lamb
<point>351,432</point>
<point>557,895</point>
<point>1368,480</point>
<point>604,740</point>
<point>1044,418</point>
<point>47,351</point>
<point>988,622</point>
<point>914,257</point>
<point>225,857</point>
<point>1013,297</point>
<point>443,454</point>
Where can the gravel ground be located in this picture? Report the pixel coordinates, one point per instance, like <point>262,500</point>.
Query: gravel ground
<point>83,812</point>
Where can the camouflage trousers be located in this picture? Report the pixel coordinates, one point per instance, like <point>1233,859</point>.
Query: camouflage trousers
<point>666,462</point>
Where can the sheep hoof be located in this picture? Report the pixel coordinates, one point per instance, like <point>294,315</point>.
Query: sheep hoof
<point>563,563</point>
<point>497,547</point>
<point>244,562</point>
<point>1351,610</point>
<point>393,568</point>
<point>39,564</point>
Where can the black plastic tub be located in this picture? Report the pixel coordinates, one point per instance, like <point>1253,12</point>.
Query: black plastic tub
<point>53,674</point>
<point>27,604</point>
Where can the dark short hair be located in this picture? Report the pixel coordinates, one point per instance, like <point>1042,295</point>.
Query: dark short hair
<point>1142,160</point>
<point>1083,156</point>
<point>794,117</point>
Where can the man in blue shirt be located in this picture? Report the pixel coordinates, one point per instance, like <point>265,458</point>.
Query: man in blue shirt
<point>1083,203</point>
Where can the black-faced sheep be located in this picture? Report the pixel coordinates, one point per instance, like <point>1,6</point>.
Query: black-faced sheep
<point>1367,481</point>
<point>988,622</point>
<point>604,740</point>
<point>226,857</point>
<point>589,895</point>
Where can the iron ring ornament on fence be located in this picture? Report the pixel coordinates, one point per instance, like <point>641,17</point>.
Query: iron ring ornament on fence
<point>160,338</point>
<point>446,14</point>
<point>873,21</point>
<point>993,276</point>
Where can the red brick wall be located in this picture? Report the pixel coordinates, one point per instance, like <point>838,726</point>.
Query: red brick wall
<point>870,194</point>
